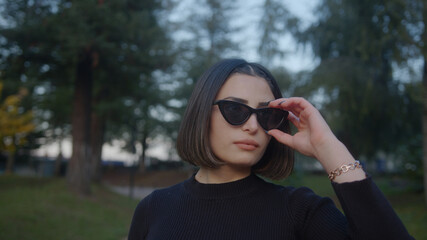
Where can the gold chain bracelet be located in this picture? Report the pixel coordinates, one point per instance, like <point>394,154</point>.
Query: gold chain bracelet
<point>343,169</point>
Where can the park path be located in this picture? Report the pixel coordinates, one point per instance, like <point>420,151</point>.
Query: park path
<point>146,183</point>
<point>138,192</point>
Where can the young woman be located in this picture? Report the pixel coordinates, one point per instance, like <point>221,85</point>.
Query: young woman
<point>236,128</point>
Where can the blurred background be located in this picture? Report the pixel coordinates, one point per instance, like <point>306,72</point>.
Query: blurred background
<point>92,93</point>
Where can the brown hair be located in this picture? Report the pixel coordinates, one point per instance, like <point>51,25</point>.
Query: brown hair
<point>193,138</point>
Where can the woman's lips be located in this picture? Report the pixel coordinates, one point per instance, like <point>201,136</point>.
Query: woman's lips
<point>247,144</point>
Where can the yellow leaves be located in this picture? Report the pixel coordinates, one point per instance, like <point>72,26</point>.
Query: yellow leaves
<point>15,124</point>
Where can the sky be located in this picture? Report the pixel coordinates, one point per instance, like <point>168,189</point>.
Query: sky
<point>295,60</point>
<point>298,59</point>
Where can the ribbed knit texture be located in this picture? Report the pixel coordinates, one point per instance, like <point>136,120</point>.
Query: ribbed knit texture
<point>251,208</point>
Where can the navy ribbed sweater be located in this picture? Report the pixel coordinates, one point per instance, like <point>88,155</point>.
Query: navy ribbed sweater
<point>251,208</point>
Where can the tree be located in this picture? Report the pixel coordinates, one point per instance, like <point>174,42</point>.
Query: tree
<point>15,125</point>
<point>203,35</point>
<point>209,35</point>
<point>145,117</point>
<point>98,48</point>
<point>28,59</point>
<point>275,22</point>
<point>359,43</point>
<point>424,117</point>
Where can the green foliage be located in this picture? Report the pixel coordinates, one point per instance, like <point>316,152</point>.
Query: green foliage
<point>275,22</point>
<point>43,209</point>
<point>208,33</point>
<point>375,32</point>
<point>46,39</point>
<point>361,44</point>
<point>210,36</point>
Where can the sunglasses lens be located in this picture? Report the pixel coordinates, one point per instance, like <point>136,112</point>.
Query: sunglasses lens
<point>270,118</point>
<point>234,113</point>
<point>237,113</point>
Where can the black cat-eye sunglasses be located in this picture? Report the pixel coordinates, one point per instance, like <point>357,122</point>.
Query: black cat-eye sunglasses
<point>236,113</point>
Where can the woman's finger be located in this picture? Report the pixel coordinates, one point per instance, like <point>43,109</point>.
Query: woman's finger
<point>281,137</point>
<point>294,104</point>
<point>277,103</point>
<point>293,119</point>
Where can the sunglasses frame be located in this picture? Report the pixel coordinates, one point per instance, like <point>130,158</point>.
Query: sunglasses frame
<point>251,111</point>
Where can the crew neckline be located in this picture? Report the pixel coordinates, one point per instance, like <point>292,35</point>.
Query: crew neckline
<point>232,189</point>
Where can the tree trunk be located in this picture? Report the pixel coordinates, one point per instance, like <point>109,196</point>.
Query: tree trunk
<point>78,172</point>
<point>142,157</point>
<point>58,160</point>
<point>97,141</point>
<point>10,162</point>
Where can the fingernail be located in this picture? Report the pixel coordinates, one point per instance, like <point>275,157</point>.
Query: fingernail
<point>282,102</point>
<point>266,131</point>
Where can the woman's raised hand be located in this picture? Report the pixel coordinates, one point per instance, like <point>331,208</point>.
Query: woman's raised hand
<point>314,137</point>
<point>313,131</point>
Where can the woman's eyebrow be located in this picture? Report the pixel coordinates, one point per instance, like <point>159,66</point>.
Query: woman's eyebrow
<point>241,100</point>
<point>263,104</point>
<point>236,99</point>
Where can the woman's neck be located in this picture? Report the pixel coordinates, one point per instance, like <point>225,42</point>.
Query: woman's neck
<point>222,174</point>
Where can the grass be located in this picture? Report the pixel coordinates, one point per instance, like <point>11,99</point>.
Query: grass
<point>408,203</point>
<point>40,208</point>
<point>36,208</point>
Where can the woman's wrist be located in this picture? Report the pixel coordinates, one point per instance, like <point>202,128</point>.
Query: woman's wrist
<point>344,169</point>
<point>333,155</point>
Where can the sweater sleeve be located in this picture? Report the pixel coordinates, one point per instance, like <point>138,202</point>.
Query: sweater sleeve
<point>139,226</point>
<point>317,217</point>
<point>369,214</point>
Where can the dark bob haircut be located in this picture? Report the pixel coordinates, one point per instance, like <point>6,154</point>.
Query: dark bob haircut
<point>193,143</point>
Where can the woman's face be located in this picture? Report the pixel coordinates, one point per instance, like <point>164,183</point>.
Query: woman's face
<point>243,145</point>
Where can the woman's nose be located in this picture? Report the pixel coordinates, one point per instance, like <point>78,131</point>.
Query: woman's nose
<point>252,124</point>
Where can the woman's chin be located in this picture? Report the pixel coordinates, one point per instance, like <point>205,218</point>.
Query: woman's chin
<point>244,164</point>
